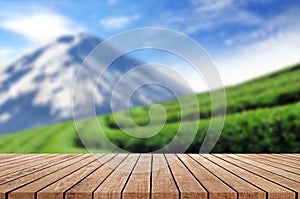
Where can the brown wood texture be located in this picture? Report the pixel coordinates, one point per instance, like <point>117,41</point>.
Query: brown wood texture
<point>174,176</point>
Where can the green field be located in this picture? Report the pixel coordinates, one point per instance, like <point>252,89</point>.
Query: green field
<point>263,115</point>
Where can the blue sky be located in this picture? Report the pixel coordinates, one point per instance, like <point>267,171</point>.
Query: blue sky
<point>244,38</point>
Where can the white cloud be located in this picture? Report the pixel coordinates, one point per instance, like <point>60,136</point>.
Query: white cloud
<point>4,117</point>
<point>271,45</point>
<point>209,15</point>
<point>268,48</point>
<point>212,5</point>
<point>39,27</point>
<point>253,59</point>
<point>117,22</point>
<point>5,55</point>
<point>260,58</point>
<point>283,21</point>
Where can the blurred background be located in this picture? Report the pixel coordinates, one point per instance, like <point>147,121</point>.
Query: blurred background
<point>254,45</point>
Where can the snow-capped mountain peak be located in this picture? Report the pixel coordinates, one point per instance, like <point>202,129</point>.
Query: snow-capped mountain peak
<point>37,88</point>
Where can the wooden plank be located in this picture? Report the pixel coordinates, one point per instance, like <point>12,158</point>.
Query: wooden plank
<point>113,185</point>
<point>297,156</point>
<point>163,185</point>
<point>187,184</point>
<point>13,157</point>
<point>273,190</point>
<point>85,188</point>
<point>295,186</point>
<point>280,160</point>
<point>150,176</point>
<point>29,190</point>
<point>5,157</point>
<point>275,170</point>
<point>5,170</point>
<point>138,185</point>
<point>14,184</point>
<point>215,187</point>
<point>272,163</point>
<point>29,170</point>
<point>244,189</point>
<point>19,159</point>
<point>290,156</point>
<point>57,189</point>
<point>287,158</point>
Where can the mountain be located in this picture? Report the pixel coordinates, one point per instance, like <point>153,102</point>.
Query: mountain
<point>37,88</point>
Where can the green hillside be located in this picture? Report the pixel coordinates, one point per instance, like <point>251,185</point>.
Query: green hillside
<point>262,116</point>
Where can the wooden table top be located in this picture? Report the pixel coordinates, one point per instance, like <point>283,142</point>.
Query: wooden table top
<point>149,176</point>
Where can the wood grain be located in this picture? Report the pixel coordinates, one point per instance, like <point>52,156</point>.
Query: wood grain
<point>273,163</point>
<point>188,186</point>
<point>244,189</point>
<point>155,176</point>
<point>215,187</point>
<point>273,190</point>
<point>283,181</point>
<point>113,186</point>
<point>163,185</point>
<point>138,185</point>
<point>57,189</point>
<point>85,188</point>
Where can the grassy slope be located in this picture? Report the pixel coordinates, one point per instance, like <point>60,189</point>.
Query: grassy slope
<point>262,116</point>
